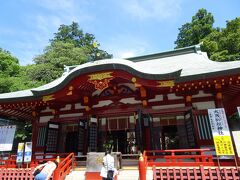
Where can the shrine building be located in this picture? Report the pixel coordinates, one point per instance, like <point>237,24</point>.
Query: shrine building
<point>151,102</point>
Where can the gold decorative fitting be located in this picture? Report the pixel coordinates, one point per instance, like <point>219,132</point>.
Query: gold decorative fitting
<point>85,99</point>
<point>141,157</point>
<point>69,93</point>
<point>100,76</point>
<point>87,108</point>
<point>222,80</point>
<point>166,83</point>
<point>134,79</point>
<point>219,95</point>
<point>47,98</point>
<point>100,80</point>
<point>144,102</point>
<point>188,98</point>
<point>230,79</point>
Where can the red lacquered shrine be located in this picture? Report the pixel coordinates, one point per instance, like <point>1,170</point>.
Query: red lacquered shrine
<point>156,102</point>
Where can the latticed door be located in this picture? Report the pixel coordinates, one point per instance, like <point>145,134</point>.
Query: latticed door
<point>190,130</point>
<point>52,137</point>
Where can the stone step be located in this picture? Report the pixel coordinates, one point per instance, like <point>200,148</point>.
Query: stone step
<point>124,174</point>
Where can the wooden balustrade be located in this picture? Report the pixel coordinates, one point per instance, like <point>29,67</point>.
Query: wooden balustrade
<point>64,167</point>
<point>9,170</point>
<point>178,157</point>
<point>195,173</point>
<point>184,164</point>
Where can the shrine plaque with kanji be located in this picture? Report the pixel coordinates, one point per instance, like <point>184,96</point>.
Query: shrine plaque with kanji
<point>221,135</point>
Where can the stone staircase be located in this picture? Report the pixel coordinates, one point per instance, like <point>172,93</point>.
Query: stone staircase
<point>130,173</point>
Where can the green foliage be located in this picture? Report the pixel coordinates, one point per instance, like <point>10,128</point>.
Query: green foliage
<point>74,35</point>
<point>192,33</point>
<point>70,46</point>
<point>224,44</point>
<point>24,132</point>
<point>9,68</point>
<point>9,65</point>
<point>220,44</point>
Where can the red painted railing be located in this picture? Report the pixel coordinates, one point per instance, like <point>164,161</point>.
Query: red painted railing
<point>195,173</point>
<point>64,167</point>
<point>10,160</point>
<point>178,157</point>
<point>177,165</point>
<point>9,170</point>
<point>16,173</point>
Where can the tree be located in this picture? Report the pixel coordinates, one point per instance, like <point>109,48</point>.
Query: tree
<point>9,67</point>
<point>50,65</point>
<point>221,44</point>
<point>72,34</point>
<point>224,44</point>
<point>192,33</point>
<point>70,46</point>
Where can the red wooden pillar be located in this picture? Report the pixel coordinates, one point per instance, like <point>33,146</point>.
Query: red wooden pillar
<point>142,168</point>
<point>218,96</point>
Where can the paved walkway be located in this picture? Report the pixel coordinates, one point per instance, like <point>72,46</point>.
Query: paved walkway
<point>125,174</point>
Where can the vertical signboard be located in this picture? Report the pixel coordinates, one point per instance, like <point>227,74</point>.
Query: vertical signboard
<point>28,152</point>
<point>20,153</point>
<point>236,138</point>
<point>221,135</point>
<point>6,137</point>
<point>238,108</point>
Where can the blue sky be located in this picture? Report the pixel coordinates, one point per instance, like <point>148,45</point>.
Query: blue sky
<point>122,27</point>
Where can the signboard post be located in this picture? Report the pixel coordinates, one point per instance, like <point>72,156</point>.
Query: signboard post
<point>28,152</point>
<point>221,134</point>
<point>20,149</point>
<point>236,138</point>
<point>6,137</point>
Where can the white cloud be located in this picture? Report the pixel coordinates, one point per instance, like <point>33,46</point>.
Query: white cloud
<point>153,9</point>
<point>127,54</point>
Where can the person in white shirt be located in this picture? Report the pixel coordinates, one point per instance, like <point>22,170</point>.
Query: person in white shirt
<point>108,165</point>
<point>47,170</point>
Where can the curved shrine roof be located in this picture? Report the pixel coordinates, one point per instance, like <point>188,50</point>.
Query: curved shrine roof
<point>182,65</point>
